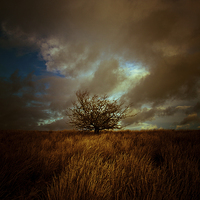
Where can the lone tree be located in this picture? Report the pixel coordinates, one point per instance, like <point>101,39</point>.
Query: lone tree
<point>96,112</point>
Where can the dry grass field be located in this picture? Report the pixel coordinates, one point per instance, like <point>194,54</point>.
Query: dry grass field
<point>122,165</point>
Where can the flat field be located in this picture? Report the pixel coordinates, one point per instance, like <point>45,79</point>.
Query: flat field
<point>66,165</point>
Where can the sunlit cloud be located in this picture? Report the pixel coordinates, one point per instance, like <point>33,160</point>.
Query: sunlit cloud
<point>143,126</point>
<point>186,126</point>
<point>183,107</point>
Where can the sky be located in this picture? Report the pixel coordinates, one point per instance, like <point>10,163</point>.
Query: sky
<point>145,53</point>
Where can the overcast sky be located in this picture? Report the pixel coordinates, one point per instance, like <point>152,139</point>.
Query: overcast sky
<point>145,52</point>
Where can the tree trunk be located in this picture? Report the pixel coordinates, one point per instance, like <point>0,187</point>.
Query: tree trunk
<point>96,130</point>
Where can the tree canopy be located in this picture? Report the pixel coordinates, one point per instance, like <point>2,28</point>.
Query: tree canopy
<point>96,112</point>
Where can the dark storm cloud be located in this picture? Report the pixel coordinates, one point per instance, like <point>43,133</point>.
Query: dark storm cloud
<point>177,78</point>
<point>26,103</point>
<point>106,78</point>
<point>146,114</point>
<point>59,93</point>
<point>87,40</point>
<point>18,102</point>
<point>191,118</point>
<point>33,17</point>
<point>141,30</point>
<point>194,109</point>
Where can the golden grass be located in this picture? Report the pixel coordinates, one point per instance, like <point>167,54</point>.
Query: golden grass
<point>61,165</point>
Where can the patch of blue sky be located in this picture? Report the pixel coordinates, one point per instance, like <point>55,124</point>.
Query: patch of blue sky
<point>133,68</point>
<point>134,72</point>
<point>53,116</point>
<point>19,94</point>
<point>116,95</point>
<point>147,106</point>
<point>56,73</point>
<point>52,113</point>
<point>48,121</point>
<point>40,94</point>
<point>35,104</point>
<point>11,60</point>
<point>48,111</point>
